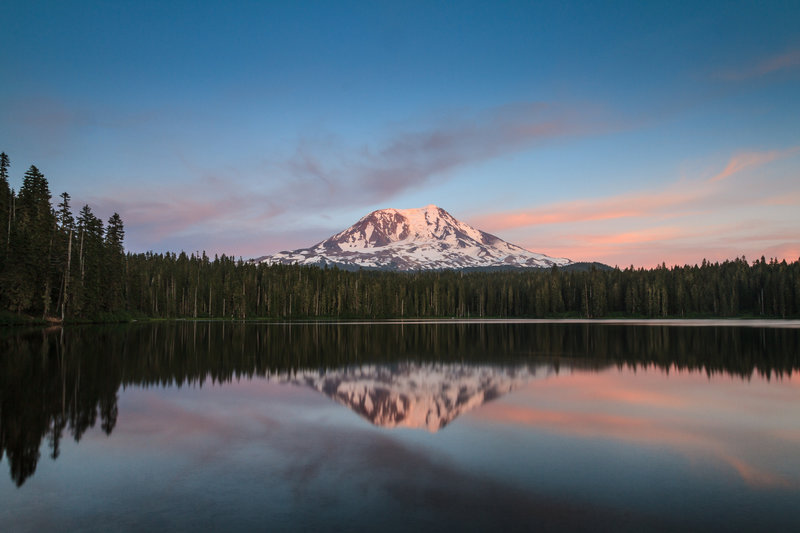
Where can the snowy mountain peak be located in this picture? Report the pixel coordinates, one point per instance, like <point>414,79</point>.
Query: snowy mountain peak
<point>425,238</point>
<point>387,226</point>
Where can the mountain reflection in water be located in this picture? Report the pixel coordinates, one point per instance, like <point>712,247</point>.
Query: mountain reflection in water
<point>414,395</point>
<point>68,380</point>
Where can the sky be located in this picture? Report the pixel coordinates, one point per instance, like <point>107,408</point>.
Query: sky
<point>631,133</point>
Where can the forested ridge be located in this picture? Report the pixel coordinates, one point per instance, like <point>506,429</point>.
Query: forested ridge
<point>54,264</point>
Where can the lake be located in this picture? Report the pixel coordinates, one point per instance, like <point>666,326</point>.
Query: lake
<point>524,425</point>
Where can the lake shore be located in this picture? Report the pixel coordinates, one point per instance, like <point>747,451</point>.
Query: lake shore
<point>688,322</point>
<point>715,322</point>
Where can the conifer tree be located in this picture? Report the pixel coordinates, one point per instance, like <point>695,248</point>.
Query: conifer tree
<point>114,269</point>
<point>89,288</point>
<point>64,214</point>
<point>5,207</point>
<point>66,223</point>
<point>30,245</point>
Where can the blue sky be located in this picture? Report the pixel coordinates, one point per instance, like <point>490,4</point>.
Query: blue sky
<point>249,127</point>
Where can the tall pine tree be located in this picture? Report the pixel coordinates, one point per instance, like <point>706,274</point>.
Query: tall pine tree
<point>114,269</point>
<point>5,208</point>
<point>88,290</point>
<point>30,245</point>
<point>65,238</point>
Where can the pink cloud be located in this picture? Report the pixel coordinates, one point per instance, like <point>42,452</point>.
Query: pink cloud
<point>748,160</point>
<point>679,197</point>
<point>321,174</point>
<point>410,159</point>
<point>615,207</point>
<point>783,199</point>
<point>671,252</point>
<point>785,61</point>
<point>708,218</point>
<point>789,250</point>
<point>636,237</point>
<point>171,211</point>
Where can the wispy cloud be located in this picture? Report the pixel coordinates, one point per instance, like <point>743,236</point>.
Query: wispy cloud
<point>410,159</point>
<point>747,160</point>
<point>53,124</point>
<point>214,216</point>
<point>787,60</point>
<point>783,199</point>
<point>326,172</point>
<point>673,199</point>
<point>685,221</point>
<point>172,211</point>
<point>615,207</point>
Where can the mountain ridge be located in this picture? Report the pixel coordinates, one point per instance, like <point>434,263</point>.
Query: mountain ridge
<point>426,238</point>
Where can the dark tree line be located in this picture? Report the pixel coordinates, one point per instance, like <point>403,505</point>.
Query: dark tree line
<point>53,264</point>
<point>180,285</point>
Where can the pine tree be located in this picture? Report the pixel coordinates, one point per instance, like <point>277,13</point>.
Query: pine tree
<point>5,207</point>
<point>30,245</point>
<point>66,224</point>
<point>114,264</point>
<point>89,289</point>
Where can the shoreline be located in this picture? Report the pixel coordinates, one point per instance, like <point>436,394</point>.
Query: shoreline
<point>779,323</point>
<point>697,322</point>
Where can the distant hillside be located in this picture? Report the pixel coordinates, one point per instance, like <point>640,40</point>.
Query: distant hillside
<point>584,266</point>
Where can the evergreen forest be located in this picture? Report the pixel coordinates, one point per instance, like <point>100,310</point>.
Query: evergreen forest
<point>58,266</point>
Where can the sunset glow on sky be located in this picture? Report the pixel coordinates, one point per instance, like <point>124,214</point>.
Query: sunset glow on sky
<point>626,132</point>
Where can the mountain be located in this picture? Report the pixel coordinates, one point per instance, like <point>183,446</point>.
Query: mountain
<point>423,396</point>
<point>428,238</point>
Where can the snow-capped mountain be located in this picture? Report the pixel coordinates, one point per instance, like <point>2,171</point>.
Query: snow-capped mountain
<point>428,238</point>
<point>425,396</point>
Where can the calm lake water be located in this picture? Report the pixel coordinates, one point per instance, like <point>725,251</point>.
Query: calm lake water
<point>395,427</point>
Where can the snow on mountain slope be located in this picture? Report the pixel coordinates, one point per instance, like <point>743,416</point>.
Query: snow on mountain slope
<point>427,238</point>
<point>424,396</point>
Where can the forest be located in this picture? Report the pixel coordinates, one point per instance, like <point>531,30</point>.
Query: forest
<point>57,266</point>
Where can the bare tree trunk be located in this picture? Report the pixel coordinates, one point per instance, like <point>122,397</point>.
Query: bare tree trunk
<point>47,278</point>
<point>80,255</point>
<point>10,218</point>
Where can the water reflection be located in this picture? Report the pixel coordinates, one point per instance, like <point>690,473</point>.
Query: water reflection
<point>58,381</point>
<point>747,428</point>
<point>414,395</point>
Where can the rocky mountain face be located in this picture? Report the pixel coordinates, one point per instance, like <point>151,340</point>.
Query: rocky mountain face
<point>428,238</point>
<point>424,396</point>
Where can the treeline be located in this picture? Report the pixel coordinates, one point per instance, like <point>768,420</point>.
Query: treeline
<point>58,382</point>
<point>53,264</point>
<point>180,285</point>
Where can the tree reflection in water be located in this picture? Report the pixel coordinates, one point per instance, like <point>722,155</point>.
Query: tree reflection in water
<point>58,380</point>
